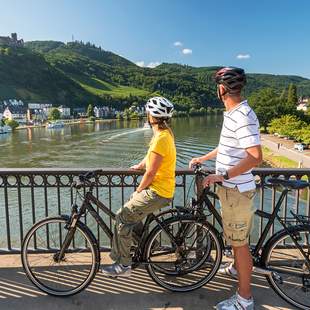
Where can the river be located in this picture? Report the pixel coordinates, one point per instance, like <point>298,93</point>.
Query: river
<point>105,144</point>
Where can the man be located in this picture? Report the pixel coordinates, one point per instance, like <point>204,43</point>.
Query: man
<point>239,150</point>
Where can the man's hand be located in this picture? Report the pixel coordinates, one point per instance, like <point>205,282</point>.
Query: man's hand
<point>195,160</point>
<point>211,179</point>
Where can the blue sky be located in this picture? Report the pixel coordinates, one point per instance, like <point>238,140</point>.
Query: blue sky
<point>265,36</point>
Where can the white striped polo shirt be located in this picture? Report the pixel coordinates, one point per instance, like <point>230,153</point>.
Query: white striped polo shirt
<point>240,131</point>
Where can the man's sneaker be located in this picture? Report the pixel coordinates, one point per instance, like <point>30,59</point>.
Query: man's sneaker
<point>236,302</point>
<point>116,270</point>
<point>228,270</point>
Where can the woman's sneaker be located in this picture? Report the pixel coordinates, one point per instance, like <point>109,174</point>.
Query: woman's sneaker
<point>236,302</point>
<point>228,270</point>
<point>116,270</point>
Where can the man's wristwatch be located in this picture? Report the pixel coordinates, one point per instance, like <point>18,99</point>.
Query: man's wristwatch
<point>223,172</point>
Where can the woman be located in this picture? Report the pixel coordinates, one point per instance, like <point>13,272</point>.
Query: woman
<point>155,190</point>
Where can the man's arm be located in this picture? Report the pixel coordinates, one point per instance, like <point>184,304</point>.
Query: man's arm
<point>254,157</point>
<point>201,159</point>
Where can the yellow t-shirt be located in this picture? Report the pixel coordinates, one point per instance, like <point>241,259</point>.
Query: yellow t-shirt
<point>164,181</point>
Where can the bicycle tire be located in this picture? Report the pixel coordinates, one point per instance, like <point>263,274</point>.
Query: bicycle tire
<point>36,276</point>
<point>275,258</point>
<point>192,278</point>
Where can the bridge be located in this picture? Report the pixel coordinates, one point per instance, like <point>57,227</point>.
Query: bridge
<point>28,195</point>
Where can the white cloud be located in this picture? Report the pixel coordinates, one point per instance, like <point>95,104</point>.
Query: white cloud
<point>187,51</point>
<point>140,63</point>
<point>178,43</point>
<point>243,56</point>
<point>153,64</point>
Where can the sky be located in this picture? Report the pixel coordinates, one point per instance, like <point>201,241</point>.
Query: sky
<point>265,36</point>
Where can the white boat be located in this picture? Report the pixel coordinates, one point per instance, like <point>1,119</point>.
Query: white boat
<point>57,124</point>
<point>5,129</point>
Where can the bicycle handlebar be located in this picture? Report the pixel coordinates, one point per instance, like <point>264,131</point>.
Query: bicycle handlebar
<point>199,171</point>
<point>84,179</point>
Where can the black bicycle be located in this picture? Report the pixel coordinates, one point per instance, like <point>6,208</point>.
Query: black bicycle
<point>180,250</point>
<point>285,257</point>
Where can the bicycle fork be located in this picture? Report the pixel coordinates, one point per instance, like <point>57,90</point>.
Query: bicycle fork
<point>71,226</point>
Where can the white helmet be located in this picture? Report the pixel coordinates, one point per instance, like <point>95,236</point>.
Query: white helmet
<point>159,107</point>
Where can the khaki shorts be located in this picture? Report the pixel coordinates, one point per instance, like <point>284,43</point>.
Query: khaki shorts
<point>237,213</point>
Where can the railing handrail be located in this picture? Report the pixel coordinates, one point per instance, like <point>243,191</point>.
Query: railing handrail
<point>128,171</point>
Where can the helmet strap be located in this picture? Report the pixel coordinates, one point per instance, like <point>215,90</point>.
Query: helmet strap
<point>149,121</point>
<point>219,93</point>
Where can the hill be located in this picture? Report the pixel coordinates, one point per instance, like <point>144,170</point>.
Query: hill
<point>76,74</point>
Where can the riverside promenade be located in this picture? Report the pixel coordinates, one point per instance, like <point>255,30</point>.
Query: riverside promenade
<point>138,292</point>
<point>285,148</point>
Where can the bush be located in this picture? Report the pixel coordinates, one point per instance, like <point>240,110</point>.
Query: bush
<point>12,123</point>
<point>54,114</point>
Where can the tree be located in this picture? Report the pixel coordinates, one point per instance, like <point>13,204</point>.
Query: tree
<point>12,123</point>
<point>265,103</point>
<point>286,125</point>
<point>90,110</point>
<point>292,98</point>
<point>54,114</point>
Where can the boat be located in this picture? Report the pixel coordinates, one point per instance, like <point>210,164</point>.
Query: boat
<point>57,124</point>
<point>5,129</point>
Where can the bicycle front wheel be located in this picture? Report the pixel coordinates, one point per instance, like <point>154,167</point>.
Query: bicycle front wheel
<point>53,275</point>
<point>182,254</point>
<point>290,277</point>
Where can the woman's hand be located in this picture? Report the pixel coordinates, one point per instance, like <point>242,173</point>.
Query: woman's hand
<point>137,167</point>
<point>195,160</point>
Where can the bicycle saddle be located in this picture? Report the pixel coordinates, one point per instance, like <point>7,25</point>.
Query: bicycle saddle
<point>293,184</point>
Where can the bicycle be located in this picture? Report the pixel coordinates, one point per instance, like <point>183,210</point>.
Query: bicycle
<point>284,258</point>
<point>61,256</point>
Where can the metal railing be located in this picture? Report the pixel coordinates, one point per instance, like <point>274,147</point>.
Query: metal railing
<point>28,195</point>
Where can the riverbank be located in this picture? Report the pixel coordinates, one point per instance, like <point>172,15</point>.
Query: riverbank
<point>70,122</point>
<point>280,153</point>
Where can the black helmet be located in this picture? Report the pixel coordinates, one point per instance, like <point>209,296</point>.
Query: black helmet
<point>232,78</point>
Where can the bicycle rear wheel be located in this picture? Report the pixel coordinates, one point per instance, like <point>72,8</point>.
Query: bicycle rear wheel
<point>183,254</point>
<point>290,277</point>
<point>40,257</point>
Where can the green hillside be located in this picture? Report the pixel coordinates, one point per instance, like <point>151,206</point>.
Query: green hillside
<point>76,74</point>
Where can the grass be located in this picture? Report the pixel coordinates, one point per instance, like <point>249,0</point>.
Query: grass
<point>277,160</point>
<point>99,87</point>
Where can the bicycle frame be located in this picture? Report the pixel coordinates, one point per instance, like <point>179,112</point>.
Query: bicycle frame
<point>271,216</point>
<point>87,206</point>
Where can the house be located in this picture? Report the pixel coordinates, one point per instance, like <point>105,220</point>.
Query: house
<point>303,104</point>
<point>64,111</point>
<point>303,107</point>
<point>104,112</point>
<point>79,112</point>
<point>38,111</point>
<point>18,113</point>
